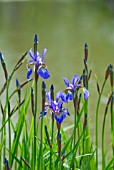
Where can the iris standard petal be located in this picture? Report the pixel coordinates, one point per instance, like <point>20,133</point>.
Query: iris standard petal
<point>33,56</point>
<point>29,73</point>
<point>43,53</point>
<point>66,81</point>
<point>60,103</point>
<point>48,96</point>
<point>43,72</point>
<point>75,79</point>
<point>58,95</point>
<point>53,106</point>
<point>64,97</point>
<point>86,93</point>
<point>38,60</point>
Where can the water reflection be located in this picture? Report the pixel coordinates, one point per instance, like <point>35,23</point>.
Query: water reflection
<point>63,28</point>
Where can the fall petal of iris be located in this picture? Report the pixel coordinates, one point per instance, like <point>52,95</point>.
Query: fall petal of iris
<point>44,73</point>
<point>29,73</point>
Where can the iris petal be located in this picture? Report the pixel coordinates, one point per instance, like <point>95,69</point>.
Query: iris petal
<point>34,56</point>
<point>31,54</point>
<point>86,93</point>
<point>60,118</point>
<point>66,81</point>
<point>43,53</point>
<point>44,113</point>
<point>43,72</point>
<point>58,95</point>
<point>48,96</point>
<point>64,97</point>
<point>70,95</point>
<point>53,106</point>
<point>60,104</point>
<point>29,73</point>
<point>75,79</point>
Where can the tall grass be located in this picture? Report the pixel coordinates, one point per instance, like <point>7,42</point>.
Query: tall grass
<point>27,145</point>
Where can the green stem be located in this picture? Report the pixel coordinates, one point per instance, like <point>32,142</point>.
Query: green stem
<point>112,120</point>
<point>75,114</point>
<point>41,153</point>
<point>51,164</point>
<point>75,122</point>
<point>97,112</point>
<point>103,130</point>
<point>9,126</point>
<point>9,130</point>
<point>35,111</point>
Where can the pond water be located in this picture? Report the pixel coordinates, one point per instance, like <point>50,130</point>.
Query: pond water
<point>63,27</point>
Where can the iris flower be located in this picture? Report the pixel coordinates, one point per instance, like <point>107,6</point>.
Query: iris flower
<point>39,63</point>
<point>76,84</point>
<point>56,107</point>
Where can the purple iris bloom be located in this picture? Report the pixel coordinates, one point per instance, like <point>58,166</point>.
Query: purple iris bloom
<point>39,63</point>
<point>56,107</point>
<point>76,84</point>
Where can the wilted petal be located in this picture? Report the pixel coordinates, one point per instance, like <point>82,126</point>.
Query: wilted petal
<point>75,79</point>
<point>66,111</point>
<point>29,73</point>
<point>86,93</point>
<point>43,72</point>
<point>66,81</point>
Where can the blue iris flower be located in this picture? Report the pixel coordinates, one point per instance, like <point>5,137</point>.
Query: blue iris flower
<point>39,63</point>
<point>56,107</point>
<point>76,84</point>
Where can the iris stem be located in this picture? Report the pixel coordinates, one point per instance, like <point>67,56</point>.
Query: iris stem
<point>112,119</point>
<point>41,156</point>
<point>75,121</point>
<point>51,164</point>
<point>75,114</point>
<point>9,127</point>
<point>35,107</point>
<point>103,130</point>
<point>35,111</point>
<point>97,112</point>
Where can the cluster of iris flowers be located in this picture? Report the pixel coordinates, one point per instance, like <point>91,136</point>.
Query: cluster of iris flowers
<point>56,106</point>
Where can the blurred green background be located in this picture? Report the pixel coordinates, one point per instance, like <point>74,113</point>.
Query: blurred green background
<point>63,27</point>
